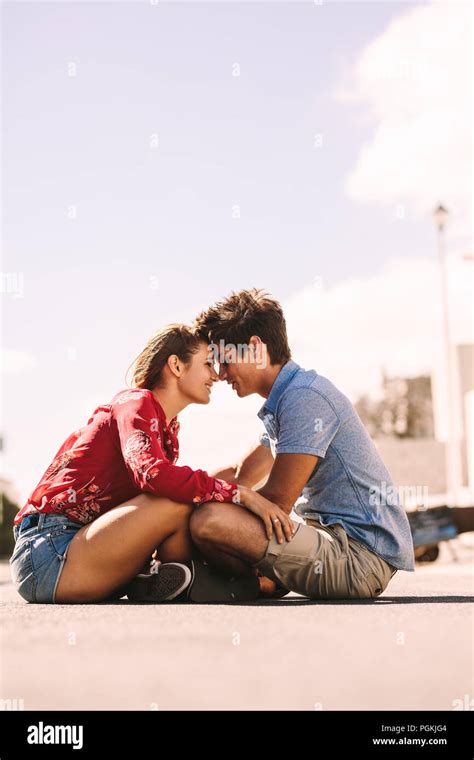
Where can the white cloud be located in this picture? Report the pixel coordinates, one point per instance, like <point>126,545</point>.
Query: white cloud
<point>391,319</point>
<point>415,81</point>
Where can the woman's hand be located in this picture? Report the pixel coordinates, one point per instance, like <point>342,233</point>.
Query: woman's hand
<point>274,518</point>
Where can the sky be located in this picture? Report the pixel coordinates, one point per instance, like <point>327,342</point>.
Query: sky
<point>157,156</point>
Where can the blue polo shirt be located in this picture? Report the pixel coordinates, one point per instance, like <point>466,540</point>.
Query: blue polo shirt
<point>350,485</point>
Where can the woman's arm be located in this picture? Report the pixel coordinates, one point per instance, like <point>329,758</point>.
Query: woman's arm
<point>140,433</point>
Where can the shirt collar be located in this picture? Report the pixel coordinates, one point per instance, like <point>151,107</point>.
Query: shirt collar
<point>283,379</point>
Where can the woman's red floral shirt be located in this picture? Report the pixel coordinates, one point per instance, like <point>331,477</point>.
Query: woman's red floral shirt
<point>125,449</point>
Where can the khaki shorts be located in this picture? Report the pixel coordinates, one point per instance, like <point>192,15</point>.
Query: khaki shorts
<point>324,563</point>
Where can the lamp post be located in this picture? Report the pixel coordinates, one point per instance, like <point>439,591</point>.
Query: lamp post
<point>440,215</point>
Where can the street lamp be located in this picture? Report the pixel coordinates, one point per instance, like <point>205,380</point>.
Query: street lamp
<point>440,216</point>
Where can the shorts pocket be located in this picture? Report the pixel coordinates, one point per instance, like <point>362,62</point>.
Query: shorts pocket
<point>60,537</point>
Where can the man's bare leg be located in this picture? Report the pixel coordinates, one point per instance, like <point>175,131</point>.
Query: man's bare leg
<point>232,539</point>
<point>226,563</point>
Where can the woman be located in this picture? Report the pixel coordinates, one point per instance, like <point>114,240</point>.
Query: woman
<point>114,493</point>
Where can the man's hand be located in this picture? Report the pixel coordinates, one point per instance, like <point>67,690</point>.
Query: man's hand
<point>288,477</point>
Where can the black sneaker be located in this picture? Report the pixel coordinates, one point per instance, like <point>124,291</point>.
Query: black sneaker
<point>209,586</point>
<point>164,583</point>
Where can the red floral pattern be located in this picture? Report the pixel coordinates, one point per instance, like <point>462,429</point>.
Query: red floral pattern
<point>222,491</point>
<point>137,455</point>
<point>86,502</point>
<point>59,463</point>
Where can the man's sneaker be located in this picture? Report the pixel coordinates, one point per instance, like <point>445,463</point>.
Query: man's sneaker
<point>209,586</point>
<point>164,582</point>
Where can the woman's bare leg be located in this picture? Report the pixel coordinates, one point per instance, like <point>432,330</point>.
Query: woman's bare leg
<point>108,552</point>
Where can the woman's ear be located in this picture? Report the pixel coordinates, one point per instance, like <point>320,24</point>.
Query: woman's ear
<point>174,363</point>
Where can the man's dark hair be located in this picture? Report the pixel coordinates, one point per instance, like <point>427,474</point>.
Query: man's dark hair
<point>241,315</point>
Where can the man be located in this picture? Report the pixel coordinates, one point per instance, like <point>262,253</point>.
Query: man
<point>315,446</point>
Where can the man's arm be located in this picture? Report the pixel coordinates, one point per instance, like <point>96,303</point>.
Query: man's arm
<point>307,425</point>
<point>288,477</point>
<point>251,469</point>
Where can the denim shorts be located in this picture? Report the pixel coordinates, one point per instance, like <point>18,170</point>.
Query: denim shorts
<point>41,544</point>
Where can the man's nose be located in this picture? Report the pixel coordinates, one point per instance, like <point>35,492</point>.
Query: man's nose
<point>222,371</point>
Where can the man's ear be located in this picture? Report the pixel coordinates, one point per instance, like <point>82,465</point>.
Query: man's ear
<point>259,351</point>
<point>174,363</point>
<point>254,343</point>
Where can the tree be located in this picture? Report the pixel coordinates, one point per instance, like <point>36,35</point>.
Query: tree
<point>405,411</point>
<point>8,512</point>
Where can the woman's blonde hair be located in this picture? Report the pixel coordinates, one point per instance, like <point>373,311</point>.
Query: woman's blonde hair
<point>176,339</point>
